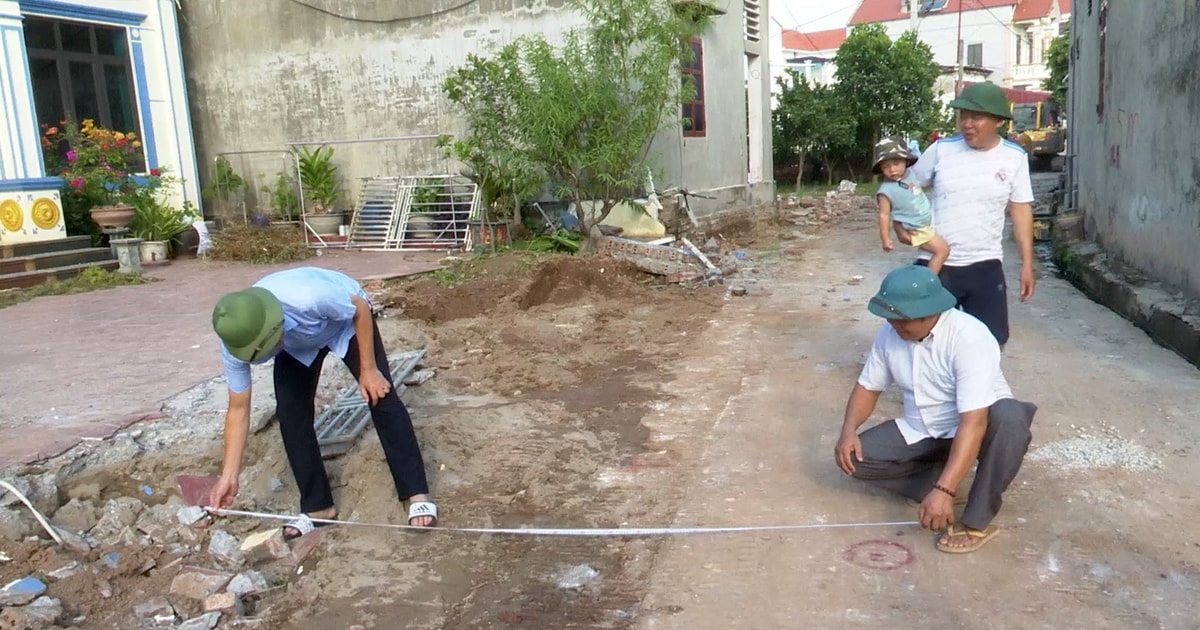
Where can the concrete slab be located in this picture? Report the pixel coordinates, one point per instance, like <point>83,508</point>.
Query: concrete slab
<point>93,363</point>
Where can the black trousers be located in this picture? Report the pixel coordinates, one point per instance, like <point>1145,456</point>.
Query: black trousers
<point>910,470</point>
<point>295,393</point>
<point>982,291</point>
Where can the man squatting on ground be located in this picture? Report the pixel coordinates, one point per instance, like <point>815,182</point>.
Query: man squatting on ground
<point>957,409</point>
<point>975,176</point>
<point>297,317</point>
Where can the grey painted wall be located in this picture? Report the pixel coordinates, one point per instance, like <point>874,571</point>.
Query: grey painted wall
<point>265,73</point>
<point>1137,138</point>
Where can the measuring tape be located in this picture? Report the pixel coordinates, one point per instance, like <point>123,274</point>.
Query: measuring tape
<point>579,532</point>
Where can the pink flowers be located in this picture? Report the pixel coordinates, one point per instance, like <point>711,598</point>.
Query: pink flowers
<point>72,155</point>
<point>77,182</point>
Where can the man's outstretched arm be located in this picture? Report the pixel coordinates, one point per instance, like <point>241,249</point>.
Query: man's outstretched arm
<point>858,409</point>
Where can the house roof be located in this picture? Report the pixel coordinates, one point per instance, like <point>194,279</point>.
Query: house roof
<point>871,11</point>
<point>1034,9</point>
<point>817,40</point>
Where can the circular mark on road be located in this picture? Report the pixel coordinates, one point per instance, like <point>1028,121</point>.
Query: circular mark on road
<point>880,555</point>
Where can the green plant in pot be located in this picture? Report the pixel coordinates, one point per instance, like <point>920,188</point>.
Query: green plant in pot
<point>156,223</point>
<point>226,187</point>
<point>424,209</point>
<point>321,184</point>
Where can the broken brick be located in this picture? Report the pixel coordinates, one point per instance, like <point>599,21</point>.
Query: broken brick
<point>224,602</point>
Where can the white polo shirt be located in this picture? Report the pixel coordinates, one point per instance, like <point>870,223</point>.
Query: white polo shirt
<point>971,190</point>
<point>954,370</point>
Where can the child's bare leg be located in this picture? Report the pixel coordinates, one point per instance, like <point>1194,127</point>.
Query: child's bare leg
<point>940,250</point>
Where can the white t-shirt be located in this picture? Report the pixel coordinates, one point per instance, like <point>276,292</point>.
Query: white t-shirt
<point>953,370</point>
<point>971,190</point>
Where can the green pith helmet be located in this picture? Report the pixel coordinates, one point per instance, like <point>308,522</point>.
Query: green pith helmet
<point>986,97</point>
<point>889,148</point>
<point>249,322</point>
<point>911,292</point>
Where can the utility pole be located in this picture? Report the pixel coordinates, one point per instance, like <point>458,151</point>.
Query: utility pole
<point>912,15</point>
<point>959,80</point>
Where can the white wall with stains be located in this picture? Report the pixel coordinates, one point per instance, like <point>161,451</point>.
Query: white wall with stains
<point>268,73</point>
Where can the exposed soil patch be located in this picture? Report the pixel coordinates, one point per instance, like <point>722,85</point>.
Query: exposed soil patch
<point>546,367</point>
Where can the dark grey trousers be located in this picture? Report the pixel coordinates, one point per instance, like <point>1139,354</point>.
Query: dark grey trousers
<point>911,469</point>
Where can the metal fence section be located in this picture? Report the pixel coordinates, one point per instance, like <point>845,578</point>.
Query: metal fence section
<point>372,226</point>
<point>340,424</point>
<point>437,212</point>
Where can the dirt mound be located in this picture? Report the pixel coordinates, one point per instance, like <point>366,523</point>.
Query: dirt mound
<point>508,283</point>
<point>566,280</point>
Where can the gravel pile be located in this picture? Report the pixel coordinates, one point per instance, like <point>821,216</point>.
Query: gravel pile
<point>1088,452</point>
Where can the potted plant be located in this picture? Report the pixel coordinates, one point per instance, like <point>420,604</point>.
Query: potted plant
<point>422,214</point>
<point>100,167</point>
<point>225,187</point>
<point>505,181</point>
<point>321,185</point>
<point>156,223</point>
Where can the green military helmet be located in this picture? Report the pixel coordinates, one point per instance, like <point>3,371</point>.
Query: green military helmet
<point>891,147</point>
<point>986,97</point>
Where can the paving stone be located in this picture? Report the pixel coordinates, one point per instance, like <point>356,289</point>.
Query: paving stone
<point>226,602</point>
<point>44,611</point>
<point>154,609</point>
<point>207,621</point>
<point>225,547</point>
<point>249,582</point>
<point>265,545</point>
<point>197,583</point>
<point>22,591</point>
<point>76,515</point>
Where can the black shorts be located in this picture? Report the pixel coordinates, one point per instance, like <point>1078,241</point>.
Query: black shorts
<point>982,291</point>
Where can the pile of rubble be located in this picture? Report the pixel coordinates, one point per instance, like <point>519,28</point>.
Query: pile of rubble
<point>811,211</point>
<point>205,575</point>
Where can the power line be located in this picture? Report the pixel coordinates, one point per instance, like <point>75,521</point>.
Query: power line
<point>409,18</point>
<point>818,19</point>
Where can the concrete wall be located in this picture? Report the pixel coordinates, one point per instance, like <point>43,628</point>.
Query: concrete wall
<point>267,73</point>
<point>1137,161</point>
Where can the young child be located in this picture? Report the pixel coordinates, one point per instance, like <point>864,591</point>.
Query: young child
<point>902,203</point>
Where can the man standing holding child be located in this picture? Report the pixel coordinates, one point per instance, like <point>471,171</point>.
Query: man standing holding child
<point>975,178</point>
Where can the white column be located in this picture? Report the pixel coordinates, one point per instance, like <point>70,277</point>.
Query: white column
<point>758,95</point>
<point>20,148</point>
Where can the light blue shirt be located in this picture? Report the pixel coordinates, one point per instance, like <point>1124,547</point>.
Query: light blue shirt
<point>910,204</point>
<point>317,313</point>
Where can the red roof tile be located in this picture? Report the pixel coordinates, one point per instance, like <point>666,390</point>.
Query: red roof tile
<point>1034,9</point>
<point>871,11</point>
<point>817,40</point>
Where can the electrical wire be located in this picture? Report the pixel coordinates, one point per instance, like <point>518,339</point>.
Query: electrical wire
<point>410,18</point>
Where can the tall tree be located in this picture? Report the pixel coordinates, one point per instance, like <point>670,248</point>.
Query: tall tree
<point>1058,63</point>
<point>809,121</point>
<point>582,113</point>
<point>888,86</point>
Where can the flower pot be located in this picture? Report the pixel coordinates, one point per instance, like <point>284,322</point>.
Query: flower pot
<point>155,253</point>
<point>185,243</point>
<point>492,234</point>
<point>112,217</point>
<point>325,224</point>
<point>422,225</point>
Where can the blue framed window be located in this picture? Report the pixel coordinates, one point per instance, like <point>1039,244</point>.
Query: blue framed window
<point>80,71</point>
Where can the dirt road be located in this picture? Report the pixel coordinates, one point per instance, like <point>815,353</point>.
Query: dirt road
<point>1082,546</point>
<point>575,395</point>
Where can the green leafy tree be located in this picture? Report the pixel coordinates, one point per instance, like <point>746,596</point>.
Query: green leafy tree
<point>810,121</point>
<point>887,86</point>
<point>582,113</point>
<point>1058,62</point>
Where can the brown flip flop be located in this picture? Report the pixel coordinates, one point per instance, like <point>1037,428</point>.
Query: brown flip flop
<point>980,538</point>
